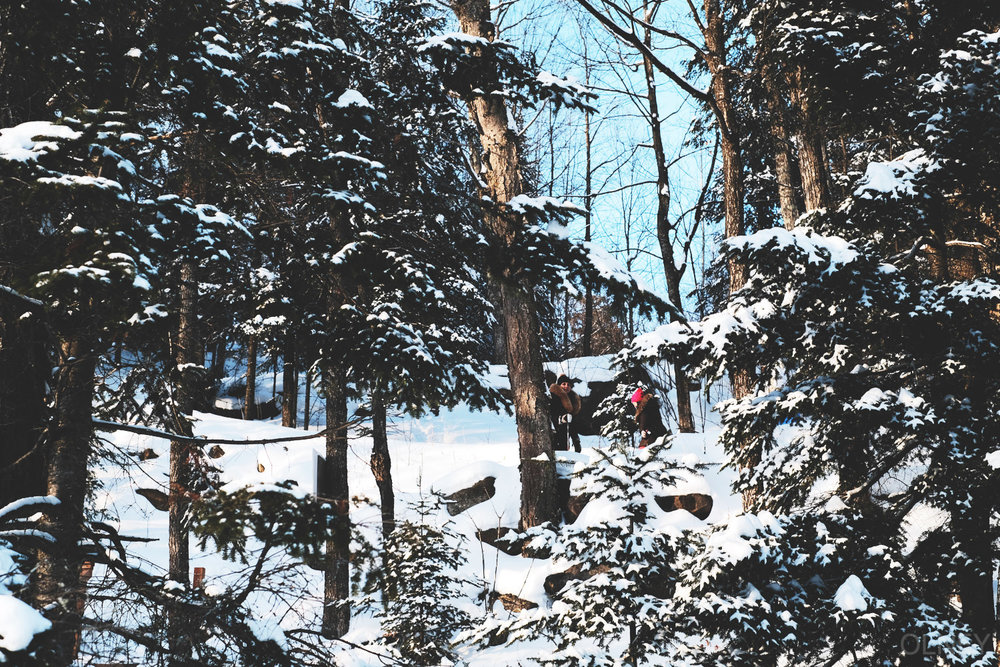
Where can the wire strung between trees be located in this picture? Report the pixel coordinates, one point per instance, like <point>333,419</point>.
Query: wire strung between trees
<point>107,426</point>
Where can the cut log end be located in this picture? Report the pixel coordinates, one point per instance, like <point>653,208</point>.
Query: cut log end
<point>471,496</point>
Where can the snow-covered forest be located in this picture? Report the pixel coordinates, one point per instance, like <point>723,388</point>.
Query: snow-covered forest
<point>543,332</point>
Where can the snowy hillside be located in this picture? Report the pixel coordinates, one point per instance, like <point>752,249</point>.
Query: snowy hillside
<point>433,455</point>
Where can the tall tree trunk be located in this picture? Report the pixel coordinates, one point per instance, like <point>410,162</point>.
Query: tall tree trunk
<point>502,163</point>
<point>791,207</point>
<point>336,579</point>
<point>732,158</point>
<point>290,384</point>
<point>812,156</point>
<point>381,464</point>
<point>665,230</point>
<point>182,456</point>
<point>588,202</point>
<point>524,364</point>
<point>734,185</point>
<point>250,396</point>
<point>729,130</point>
<point>57,578</point>
<point>24,374</point>
<point>306,406</point>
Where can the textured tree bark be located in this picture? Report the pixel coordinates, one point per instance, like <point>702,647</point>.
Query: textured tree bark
<point>665,230</point>
<point>502,165</point>
<point>336,579</point>
<point>813,169</point>
<point>499,328</point>
<point>732,158</point>
<point>791,207</point>
<point>57,578</point>
<point>24,373</point>
<point>734,184</point>
<point>250,396</point>
<point>290,384</point>
<point>524,362</point>
<point>187,355</point>
<point>381,464</point>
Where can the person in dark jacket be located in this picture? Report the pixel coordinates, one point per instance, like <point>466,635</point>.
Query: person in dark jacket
<point>647,417</point>
<point>564,405</point>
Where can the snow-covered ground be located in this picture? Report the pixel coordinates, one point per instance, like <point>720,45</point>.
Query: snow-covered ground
<point>434,454</point>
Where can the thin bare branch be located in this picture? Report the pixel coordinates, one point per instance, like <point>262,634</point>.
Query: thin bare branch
<point>102,425</point>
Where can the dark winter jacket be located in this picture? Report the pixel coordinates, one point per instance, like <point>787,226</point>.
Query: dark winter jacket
<point>647,416</point>
<point>564,402</point>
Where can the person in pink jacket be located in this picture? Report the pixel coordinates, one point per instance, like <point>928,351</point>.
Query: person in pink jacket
<point>647,416</point>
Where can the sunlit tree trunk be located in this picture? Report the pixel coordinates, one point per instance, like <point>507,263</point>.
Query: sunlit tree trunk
<point>788,199</point>
<point>813,169</point>
<point>502,165</point>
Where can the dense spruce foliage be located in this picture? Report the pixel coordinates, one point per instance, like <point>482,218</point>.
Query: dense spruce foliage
<point>190,188</point>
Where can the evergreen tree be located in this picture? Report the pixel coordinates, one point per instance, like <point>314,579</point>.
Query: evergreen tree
<point>873,351</point>
<point>809,588</point>
<point>621,549</point>
<point>421,617</point>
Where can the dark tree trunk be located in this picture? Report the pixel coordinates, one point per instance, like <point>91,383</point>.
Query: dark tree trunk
<point>178,637</point>
<point>666,231</point>
<point>306,407</point>
<point>499,329</point>
<point>729,131</point>
<point>336,579</point>
<point>24,373</point>
<point>290,383</point>
<point>520,314</point>
<point>182,455</point>
<point>250,397</point>
<point>588,299</point>
<point>219,359</point>
<point>57,578</point>
<point>588,202</point>
<point>381,464</point>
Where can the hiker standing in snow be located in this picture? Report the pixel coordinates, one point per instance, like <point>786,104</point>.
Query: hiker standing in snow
<point>564,404</point>
<point>647,417</point>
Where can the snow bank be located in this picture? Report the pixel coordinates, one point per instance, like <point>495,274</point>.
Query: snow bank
<point>20,624</point>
